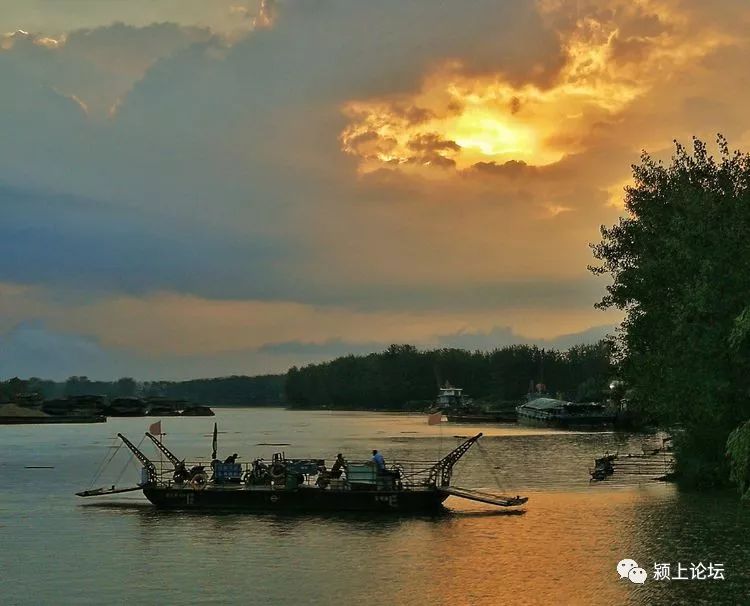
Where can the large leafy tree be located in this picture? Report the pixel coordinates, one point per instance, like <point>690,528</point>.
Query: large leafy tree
<point>680,268</point>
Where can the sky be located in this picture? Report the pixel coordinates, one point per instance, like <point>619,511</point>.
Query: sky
<point>192,188</point>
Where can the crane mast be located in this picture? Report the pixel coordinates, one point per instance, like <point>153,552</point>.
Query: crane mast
<point>147,464</point>
<point>444,467</point>
<point>167,453</point>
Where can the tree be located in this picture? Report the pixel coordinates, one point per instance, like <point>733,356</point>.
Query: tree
<point>679,267</point>
<point>125,387</point>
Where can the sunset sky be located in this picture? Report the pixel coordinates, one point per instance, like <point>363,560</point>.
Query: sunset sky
<point>193,188</point>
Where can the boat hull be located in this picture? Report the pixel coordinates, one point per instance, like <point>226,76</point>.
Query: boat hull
<point>304,499</point>
<point>569,421</point>
<point>499,417</point>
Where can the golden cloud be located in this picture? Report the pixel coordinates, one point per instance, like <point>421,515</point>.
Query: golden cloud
<point>613,54</point>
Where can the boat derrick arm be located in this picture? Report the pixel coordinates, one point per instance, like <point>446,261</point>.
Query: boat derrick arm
<point>443,469</point>
<point>145,461</point>
<point>167,453</point>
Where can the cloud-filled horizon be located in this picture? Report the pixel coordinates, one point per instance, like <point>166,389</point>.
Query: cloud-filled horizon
<point>234,187</point>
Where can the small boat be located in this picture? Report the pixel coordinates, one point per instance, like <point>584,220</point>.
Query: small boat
<point>658,464</point>
<point>302,485</point>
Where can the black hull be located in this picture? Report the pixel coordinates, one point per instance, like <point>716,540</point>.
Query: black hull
<point>302,500</point>
<point>52,419</point>
<point>568,422</point>
<point>500,417</point>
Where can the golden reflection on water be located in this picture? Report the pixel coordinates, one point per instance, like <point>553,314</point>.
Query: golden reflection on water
<point>562,550</point>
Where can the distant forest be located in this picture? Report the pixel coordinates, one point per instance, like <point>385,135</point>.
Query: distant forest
<point>400,378</point>
<point>404,377</point>
<point>265,390</point>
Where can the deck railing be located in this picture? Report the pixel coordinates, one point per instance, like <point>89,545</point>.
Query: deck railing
<point>406,474</point>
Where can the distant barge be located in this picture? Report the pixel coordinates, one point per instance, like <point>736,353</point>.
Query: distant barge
<point>303,485</point>
<point>500,416</point>
<point>46,420</point>
<point>551,412</point>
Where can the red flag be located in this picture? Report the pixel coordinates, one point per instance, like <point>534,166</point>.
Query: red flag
<point>155,428</point>
<point>435,418</point>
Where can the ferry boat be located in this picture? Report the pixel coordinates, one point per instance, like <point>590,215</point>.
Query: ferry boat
<point>302,485</point>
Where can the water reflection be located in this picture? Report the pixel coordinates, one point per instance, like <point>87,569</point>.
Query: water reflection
<point>561,548</point>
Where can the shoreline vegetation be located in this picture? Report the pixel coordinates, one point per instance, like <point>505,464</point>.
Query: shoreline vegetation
<point>404,378</point>
<point>678,262</point>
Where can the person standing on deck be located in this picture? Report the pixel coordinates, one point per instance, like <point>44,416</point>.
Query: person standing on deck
<point>338,466</point>
<point>378,459</point>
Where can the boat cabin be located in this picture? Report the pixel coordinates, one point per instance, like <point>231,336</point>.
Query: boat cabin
<point>451,397</point>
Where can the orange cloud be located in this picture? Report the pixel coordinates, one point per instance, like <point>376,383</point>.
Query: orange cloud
<point>614,54</point>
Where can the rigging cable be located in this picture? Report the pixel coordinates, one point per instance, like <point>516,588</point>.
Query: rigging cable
<point>488,460</point>
<point>128,462</point>
<point>105,461</point>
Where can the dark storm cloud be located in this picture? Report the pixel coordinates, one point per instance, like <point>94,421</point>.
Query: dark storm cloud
<point>72,243</point>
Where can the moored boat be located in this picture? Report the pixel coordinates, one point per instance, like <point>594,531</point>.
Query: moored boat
<point>459,408</point>
<point>558,413</point>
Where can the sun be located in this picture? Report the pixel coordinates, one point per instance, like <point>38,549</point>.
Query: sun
<point>484,134</point>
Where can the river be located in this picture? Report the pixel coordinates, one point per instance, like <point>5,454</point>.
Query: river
<point>563,548</point>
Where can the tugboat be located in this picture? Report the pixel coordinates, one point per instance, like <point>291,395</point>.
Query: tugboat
<point>459,408</point>
<point>301,485</point>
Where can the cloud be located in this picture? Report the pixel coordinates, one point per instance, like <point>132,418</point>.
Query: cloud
<point>499,337</point>
<point>29,349</point>
<point>291,171</point>
<point>161,329</point>
<point>66,15</point>
<point>96,67</point>
<point>331,348</point>
<point>495,338</point>
<point>612,54</point>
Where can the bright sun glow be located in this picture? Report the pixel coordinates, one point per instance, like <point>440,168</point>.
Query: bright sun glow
<point>492,137</point>
<point>457,120</point>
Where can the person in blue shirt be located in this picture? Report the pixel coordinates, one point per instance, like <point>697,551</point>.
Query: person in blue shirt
<point>378,459</point>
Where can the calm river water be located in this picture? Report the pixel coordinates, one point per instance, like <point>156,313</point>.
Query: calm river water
<point>56,548</point>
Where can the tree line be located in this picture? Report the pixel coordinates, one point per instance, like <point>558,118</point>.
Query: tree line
<point>263,390</point>
<point>404,377</point>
